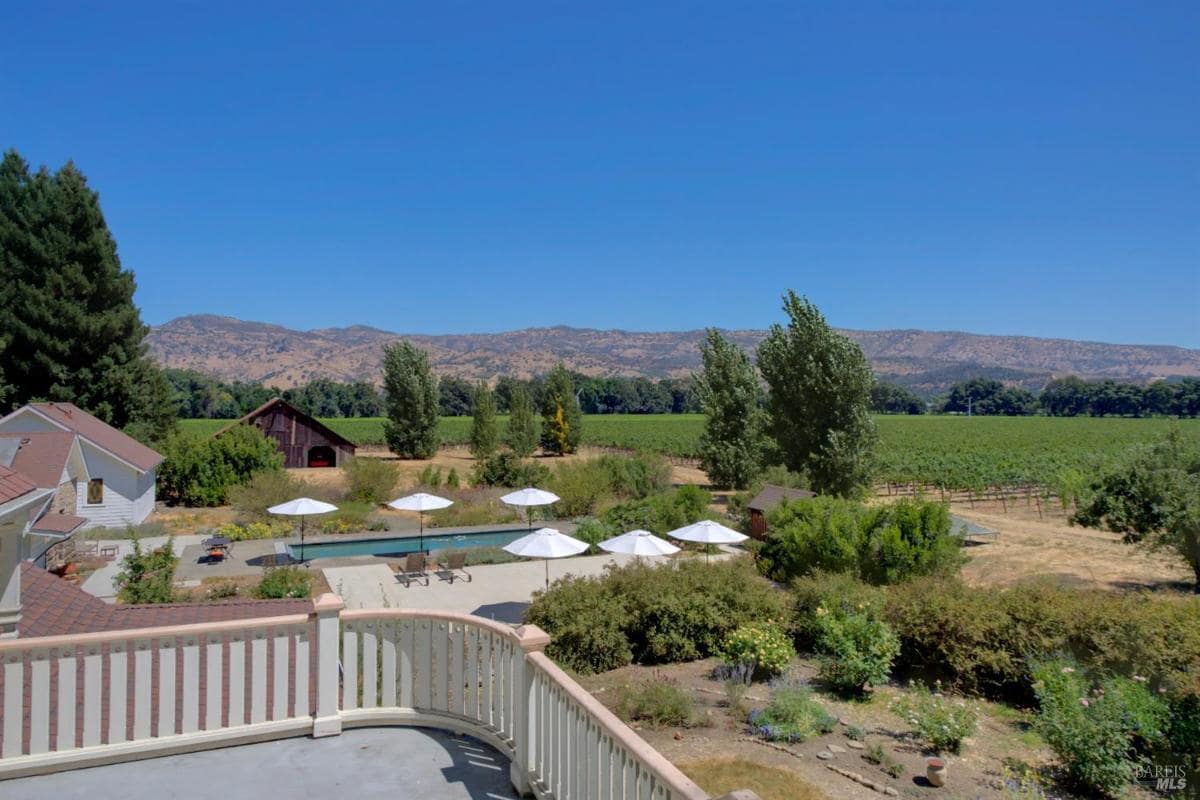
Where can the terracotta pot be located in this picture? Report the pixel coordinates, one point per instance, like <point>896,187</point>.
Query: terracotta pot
<point>935,771</point>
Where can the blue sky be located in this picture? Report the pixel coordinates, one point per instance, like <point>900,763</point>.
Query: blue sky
<point>1003,168</point>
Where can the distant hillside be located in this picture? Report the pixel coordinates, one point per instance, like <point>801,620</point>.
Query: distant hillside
<point>928,361</point>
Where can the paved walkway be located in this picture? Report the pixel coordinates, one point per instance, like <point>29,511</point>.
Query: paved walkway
<point>496,591</point>
<point>365,764</point>
<point>100,582</point>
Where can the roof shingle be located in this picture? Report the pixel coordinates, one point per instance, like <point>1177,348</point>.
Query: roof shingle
<point>13,484</point>
<point>100,433</point>
<point>42,455</point>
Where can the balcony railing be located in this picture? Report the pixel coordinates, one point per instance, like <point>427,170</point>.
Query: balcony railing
<point>81,700</point>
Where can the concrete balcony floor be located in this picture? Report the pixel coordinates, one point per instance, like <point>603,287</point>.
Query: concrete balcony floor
<point>361,764</point>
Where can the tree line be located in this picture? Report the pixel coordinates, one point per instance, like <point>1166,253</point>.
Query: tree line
<point>1063,397</point>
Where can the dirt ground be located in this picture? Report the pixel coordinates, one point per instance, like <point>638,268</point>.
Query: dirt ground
<point>977,772</point>
<point>1028,546</point>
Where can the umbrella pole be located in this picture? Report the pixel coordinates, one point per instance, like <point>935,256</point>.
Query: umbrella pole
<point>546,561</point>
<point>301,538</point>
<point>421,535</point>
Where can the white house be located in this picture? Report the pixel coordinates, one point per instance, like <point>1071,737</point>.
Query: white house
<point>110,482</point>
<point>20,502</point>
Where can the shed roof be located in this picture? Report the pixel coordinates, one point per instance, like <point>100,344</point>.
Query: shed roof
<point>307,419</point>
<point>772,495</point>
<point>100,433</point>
<point>41,456</point>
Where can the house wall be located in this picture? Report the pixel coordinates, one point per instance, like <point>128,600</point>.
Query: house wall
<point>66,496</point>
<point>26,421</point>
<point>128,496</point>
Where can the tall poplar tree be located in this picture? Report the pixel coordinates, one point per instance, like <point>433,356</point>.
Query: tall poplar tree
<point>522,435</point>
<point>562,420</point>
<point>731,447</point>
<point>484,436</point>
<point>411,428</point>
<point>67,316</point>
<point>819,399</point>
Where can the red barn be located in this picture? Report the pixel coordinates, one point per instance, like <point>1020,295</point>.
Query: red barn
<point>304,441</point>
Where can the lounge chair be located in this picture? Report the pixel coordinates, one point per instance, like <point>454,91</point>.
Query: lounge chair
<point>414,567</point>
<point>456,561</point>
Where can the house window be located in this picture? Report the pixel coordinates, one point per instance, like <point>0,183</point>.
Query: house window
<point>95,495</point>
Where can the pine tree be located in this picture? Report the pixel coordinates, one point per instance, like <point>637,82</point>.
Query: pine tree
<point>731,447</point>
<point>411,429</point>
<point>67,314</point>
<point>819,399</point>
<point>483,438</point>
<point>522,437</point>
<point>562,420</point>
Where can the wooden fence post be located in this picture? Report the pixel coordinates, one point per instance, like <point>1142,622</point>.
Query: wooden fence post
<point>327,608</point>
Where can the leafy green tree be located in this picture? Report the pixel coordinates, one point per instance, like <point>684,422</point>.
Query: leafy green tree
<point>484,436</point>
<point>67,314</point>
<point>200,471</point>
<point>888,398</point>
<point>1153,496</point>
<point>522,436</point>
<point>412,401</point>
<point>454,396</point>
<point>562,419</point>
<point>819,399</point>
<point>731,446</point>
<point>147,577</point>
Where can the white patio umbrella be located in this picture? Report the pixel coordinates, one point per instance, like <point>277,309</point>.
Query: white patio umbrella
<point>707,532</point>
<point>420,502</point>
<point>546,543</point>
<point>302,507</point>
<point>639,543</point>
<point>529,497</point>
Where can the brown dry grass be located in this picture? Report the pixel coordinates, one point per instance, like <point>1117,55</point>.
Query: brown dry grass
<point>718,776</point>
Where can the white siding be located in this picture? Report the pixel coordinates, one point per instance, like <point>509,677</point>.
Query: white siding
<point>124,491</point>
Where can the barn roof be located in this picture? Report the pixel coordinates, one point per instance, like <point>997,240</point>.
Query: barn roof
<point>772,495</point>
<point>307,419</point>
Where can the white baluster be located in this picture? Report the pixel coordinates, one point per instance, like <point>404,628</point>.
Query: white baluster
<point>279,678</point>
<point>387,679</point>
<point>237,679</point>
<point>302,681</point>
<point>118,677</point>
<point>65,739</point>
<point>191,685</point>
<point>39,701</point>
<point>258,677</point>
<point>166,687</point>
<point>14,704</point>
<point>214,678</point>
<point>350,667</point>
<point>143,685</point>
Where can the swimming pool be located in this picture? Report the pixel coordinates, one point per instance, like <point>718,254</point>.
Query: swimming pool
<point>407,544</point>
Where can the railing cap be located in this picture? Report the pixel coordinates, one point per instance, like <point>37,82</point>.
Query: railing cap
<point>532,638</point>
<point>328,602</point>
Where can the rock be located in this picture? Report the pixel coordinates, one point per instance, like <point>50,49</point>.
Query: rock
<point>678,736</point>
<point>890,792</point>
<point>824,755</point>
<point>835,748</point>
<point>853,745</point>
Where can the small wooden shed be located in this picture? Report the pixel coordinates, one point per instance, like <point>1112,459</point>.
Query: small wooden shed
<point>768,498</point>
<point>304,441</point>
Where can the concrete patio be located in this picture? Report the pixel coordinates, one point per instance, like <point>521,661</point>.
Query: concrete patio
<point>368,763</point>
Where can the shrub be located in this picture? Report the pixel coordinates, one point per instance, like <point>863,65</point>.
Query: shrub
<point>661,512</point>
<point>254,530</point>
<point>856,648</point>
<point>828,590</point>
<point>430,476</point>
<point>370,480</point>
<point>941,721</point>
<point>637,476</point>
<point>222,591</point>
<point>791,715</point>
<point>679,611</point>
<point>982,641</point>
<point>281,582</point>
<point>472,507</point>
<point>200,471</point>
<point>1099,734</point>
<point>508,470</point>
<point>581,487</point>
<point>452,479</point>
<point>264,490</point>
<point>881,545</point>
<point>660,703</point>
<point>350,518</point>
<point>148,577</point>
<point>593,531</point>
<point>764,646</point>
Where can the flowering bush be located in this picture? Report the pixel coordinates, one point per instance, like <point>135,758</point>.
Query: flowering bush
<point>763,645</point>
<point>791,715</point>
<point>855,647</point>
<point>941,721</point>
<point>1101,733</point>
<point>254,530</point>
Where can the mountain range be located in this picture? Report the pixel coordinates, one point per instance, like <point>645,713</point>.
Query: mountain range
<point>927,361</point>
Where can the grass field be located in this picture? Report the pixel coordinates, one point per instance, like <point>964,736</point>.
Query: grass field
<point>956,452</point>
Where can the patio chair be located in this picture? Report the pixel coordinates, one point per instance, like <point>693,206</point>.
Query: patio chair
<point>456,561</point>
<point>414,567</point>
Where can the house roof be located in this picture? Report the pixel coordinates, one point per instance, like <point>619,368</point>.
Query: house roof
<point>13,484</point>
<point>51,606</point>
<point>772,495</point>
<point>100,433</point>
<point>57,523</point>
<point>41,456</point>
<point>309,420</point>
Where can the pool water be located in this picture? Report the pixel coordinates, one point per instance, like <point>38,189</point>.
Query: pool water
<point>408,544</point>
